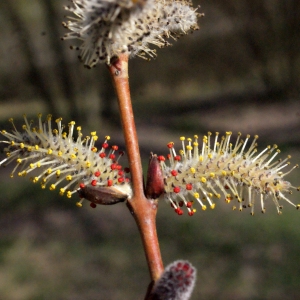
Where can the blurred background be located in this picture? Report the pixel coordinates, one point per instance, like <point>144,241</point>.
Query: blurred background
<point>239,72</point>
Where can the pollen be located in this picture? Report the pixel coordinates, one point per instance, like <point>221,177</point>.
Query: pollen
<point>45,155</point>
<point>235,172</point>
<point>108,28</point>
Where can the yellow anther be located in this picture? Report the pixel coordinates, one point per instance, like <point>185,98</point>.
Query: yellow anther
<point>61,191</point>
<point>22,145</point>
<point>55,131</point>
<point>29,148</point>
<point>19,160</point>
<point>201,158</point>
<point>3,131</point>
<point>196,195</point>
<point>204,207</point>
<point>32,166</point>
<point>188,147</point>
<point>10,119</point>
<point>224,173</point>
<point>218,196</point>
<point>78,128</point>
<point>50,151</point>
<point>73,156</point>
<point>209,155</point>
<point>72,123</point>
<point>203,179</point>
<point>64,135</point>
<point>57,173</point>
<point>182,138</point>
<point>11,175</point>
<point>69,195</point>
<point>24,127</point>
<point>58,120</point>
<point>49,117</point>
<point>52,187</point>
<point>212,175</point>
<point>193,170</point>
<point>43,186</point>
<point>59,153</point>
<point>69,177</point>
<point>78,204</point>
<point>107,137</point>
<point>213,206</point>
<point>12,143</point>
<point>94,149</point>
<point>87,164</point>
<point>39,115</point>
<point>195,144</point>
<point>93,133</point>
<point>189,139</point>
<point>49,171</point>
<point>195,136</point>
<point>35,179</point>
<point>36,147</point>
<point>95,137</point>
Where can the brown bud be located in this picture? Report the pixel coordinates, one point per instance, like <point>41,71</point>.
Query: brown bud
<point>102,195</point>
<point>155,182</point>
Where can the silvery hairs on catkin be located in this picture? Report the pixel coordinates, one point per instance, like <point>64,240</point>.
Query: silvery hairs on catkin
<point>109,28</point>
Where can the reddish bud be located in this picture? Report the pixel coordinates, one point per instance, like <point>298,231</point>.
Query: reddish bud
<point>101,195</point>
<point>155,182</point>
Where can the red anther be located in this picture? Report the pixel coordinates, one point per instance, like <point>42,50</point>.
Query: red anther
<point>189,186</point>
<point>181,203</point>
<point>93,148</point>
<point>112,156</point>
<point>179,211</point>
<point>121,153</point>
<point>97,173</point>
<point>102,154</point>
<point>189,204</point>
<point>174,172</point>
<point>93,205</point>
<point>177,157</point>
<point>82,185</point>
<point>161,158</point>
<point>170,145</point>
<point>121,173</point>
<point>94,182</point>
<point>176,189</point>
<point>114,147</point>
<point>121,179</point>
<point>119,167</point>
<point>104,145</point>
<point>113,166</point>
<point>191,213</point>
<point>109,182</point>
<point>127,170</point>
<point>127,180</point>
<point>226,187</point>
<point>169,156</point>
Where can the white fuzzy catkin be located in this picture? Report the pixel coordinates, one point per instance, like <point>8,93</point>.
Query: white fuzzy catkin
<point>220,169</point>
<point>109,28</point>
<point>52,157</point>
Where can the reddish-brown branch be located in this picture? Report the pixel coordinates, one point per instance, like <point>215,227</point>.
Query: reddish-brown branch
<point>143,210</point>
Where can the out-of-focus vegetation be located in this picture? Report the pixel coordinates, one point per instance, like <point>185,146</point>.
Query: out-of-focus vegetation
<point>240,72</point>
